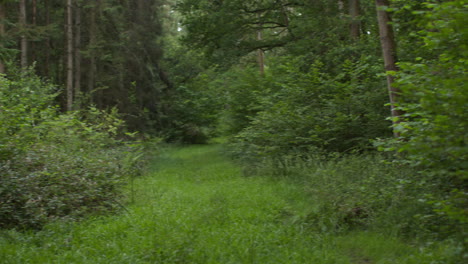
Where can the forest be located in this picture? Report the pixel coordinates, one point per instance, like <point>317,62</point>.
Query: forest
<point>233,131</point>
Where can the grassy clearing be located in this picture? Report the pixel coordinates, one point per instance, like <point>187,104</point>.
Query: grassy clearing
<point>195,207</point>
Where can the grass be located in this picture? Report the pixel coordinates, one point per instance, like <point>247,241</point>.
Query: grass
<point>196,207</point>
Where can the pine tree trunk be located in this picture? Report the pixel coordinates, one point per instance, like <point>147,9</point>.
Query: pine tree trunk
<point>355,25</point>
<point>91,48</point>
<point>24,40</point>
<point>34,23</point>
<point>69,55</point>
<point>48,44</point>
<point>261,54</point>
<point>2,33</point>
<point>77,54</point>
<point>387,41</point>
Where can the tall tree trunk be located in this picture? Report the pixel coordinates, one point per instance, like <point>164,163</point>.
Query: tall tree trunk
<point>24,40</point>
<point>77,54</point>
<point>69,55</point>
<point>48,44</point>
<point>2,33</point>
<point>387,41</point>
<point>34,23</point>
<point>341,8</point>
<point>355,25</point>
<point>261,54</point>
<point>91,48</point>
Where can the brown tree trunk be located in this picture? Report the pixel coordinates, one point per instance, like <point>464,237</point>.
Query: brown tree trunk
<point>387,41</point>
<point>91,48</point>
<point>24,40</point>
<point>77,55</point>
<point>2,33</point>
<point>48,44</point>
<point>69,55</point>
<point>34,23</point>
<point>355,25</point>
<point>261,54</point>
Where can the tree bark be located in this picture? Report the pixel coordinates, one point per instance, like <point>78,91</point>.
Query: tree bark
<point>260,52</point>
<point>261,55</point>
<point>34,23</point>
<point>2,33</point>
<point>24,40</point>
<point>387,41</point>
<point>91,48</point>
<point>48,44</point>
<point>77,56</point>
<point>69,55</point>
<point>355,25</point>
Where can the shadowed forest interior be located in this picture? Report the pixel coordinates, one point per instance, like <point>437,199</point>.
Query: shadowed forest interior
<point>215,131</point>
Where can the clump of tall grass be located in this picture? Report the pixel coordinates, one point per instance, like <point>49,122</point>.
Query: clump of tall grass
<point>360,191</point>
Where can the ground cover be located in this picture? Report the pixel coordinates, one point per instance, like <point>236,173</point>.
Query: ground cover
<point>195,206</point>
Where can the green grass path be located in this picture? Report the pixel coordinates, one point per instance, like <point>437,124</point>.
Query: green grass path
<point>196,207</point>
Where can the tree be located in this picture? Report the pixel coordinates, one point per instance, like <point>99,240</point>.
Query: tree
<point>355,25</point>
<point>92,45</point>
<point>387,40</point>
<point>242,21</point>
<point>24,40</point>
<point>70,53</point>
<point>2,34</point>
<point>77,54</point>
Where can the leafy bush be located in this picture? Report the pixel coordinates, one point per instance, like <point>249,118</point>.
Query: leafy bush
<point>302,110</point>
<point>434,128</point>
<point>56,165</point>
<point>193,112</point>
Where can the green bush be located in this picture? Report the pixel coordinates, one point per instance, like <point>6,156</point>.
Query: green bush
<point>303,109</point>
<point>56,166</point>
<point>434,128</point>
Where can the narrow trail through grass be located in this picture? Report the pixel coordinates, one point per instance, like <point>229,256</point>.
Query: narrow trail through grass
<point>196,207</point>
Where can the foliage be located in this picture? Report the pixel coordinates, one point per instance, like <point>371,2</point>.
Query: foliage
<point>117,42</point>
<point>56,165</point>
<point>300,108</point>
<point>434,128</point>
<point>195,207</point>
<point>193,104</point>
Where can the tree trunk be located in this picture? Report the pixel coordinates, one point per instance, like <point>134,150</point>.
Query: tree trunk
<point>48,44</point>
<point>355,25</point>
<point>77,54</point>
<point>24,40</point>
<point>91,48</point>
<point>387,41</point>
<point>2,33</point>
<point>69,55</point>
<point>261,54</point>
<point>34,23</point>
<point>340,8</point>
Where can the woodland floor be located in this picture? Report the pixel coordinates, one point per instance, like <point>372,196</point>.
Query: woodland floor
<point>195,206</point>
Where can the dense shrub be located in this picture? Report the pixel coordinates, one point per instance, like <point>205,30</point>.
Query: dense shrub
<point>434,128</point>
<point>193,112</point>
<point>56,165</point>
<point>300,109</point>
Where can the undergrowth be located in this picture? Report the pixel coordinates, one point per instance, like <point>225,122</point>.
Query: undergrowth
<point>57,165</point>
<point>195,206</point>
<point>367,193</point>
